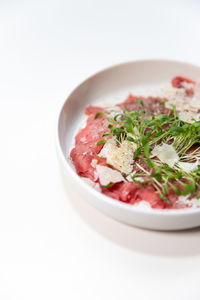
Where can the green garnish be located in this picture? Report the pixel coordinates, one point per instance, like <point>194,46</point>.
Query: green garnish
<point>101,142</point>
<point>99,114</point>
<point>140,102</point>
<point>108,185</point>
<point>147,133</point>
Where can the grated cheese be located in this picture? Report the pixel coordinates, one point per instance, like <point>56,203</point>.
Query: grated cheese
<point>166,153</point>
<point>121,157</point>
<point>107,175</point>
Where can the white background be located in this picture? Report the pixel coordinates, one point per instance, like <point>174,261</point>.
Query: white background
<point>53,245</point>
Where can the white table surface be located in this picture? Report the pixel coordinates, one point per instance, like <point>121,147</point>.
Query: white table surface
<point>54,245</point>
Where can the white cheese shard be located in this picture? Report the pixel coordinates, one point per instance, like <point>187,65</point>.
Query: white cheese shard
<point>94,163</point>
<point>193,203</point>
<point>107,175</point>
<point>179,98</point>
<point>114,110</point>
<point>121,158</point>
<point>189,116</point>
<point>187,85</point>
<point>188,167</point>
<point>166,153</point>
<point>174,96</point>
<point>140,179</point>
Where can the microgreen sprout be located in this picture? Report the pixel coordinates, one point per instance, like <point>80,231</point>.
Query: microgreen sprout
<point>147,133</point>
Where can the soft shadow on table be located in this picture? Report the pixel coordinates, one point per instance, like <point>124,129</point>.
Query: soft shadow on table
<point>173,244</point>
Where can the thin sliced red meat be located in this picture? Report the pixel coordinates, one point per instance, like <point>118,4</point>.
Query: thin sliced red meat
<point>178,81</point>
<point>152,105</point>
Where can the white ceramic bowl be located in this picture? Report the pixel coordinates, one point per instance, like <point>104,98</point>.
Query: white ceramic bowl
<point>108,86</point>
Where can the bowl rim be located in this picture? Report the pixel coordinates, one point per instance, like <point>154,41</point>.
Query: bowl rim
<point>108,200</point>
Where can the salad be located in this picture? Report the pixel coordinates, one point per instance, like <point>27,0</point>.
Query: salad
<point>145,149</point>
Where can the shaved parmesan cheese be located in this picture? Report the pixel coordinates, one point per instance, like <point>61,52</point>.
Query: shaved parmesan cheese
<point>95,176</point>
<point>107,175</point>
<point>183,200</point>
<point>119,157</point>
<point>94,163</point>
<point>174,96</point>
<point>178,97</point>
<point>114,110</point>
<point>189,116</point>
<point>140,179</point>
<point>188,167</point>
<point>166,153</point>
<point>187,85</point>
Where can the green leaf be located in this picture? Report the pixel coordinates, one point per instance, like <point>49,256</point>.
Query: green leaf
<point>177,175</point>
<point>185,126</point>
<point>149,162</point>
<point>130,139</point>
<point>117,131</point>
<point>157,134</point>
<point>146,149</point>
<point>99,114</point>
<point>137,152</point>
<point>140,102</point>
<point>188,189</point>
<point>196,124</point>
<point>116,116</point>
<point>126,111</point>
<point>164,198</point>
<point>129,127</point>
<point>108,185</point>
<point>173,106</point>
<point>167,168</point>
<point>110,120</point>
<point>157,175</point>
<point>165,188</point>
<point>101,142</point>
<point>176,190</point>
